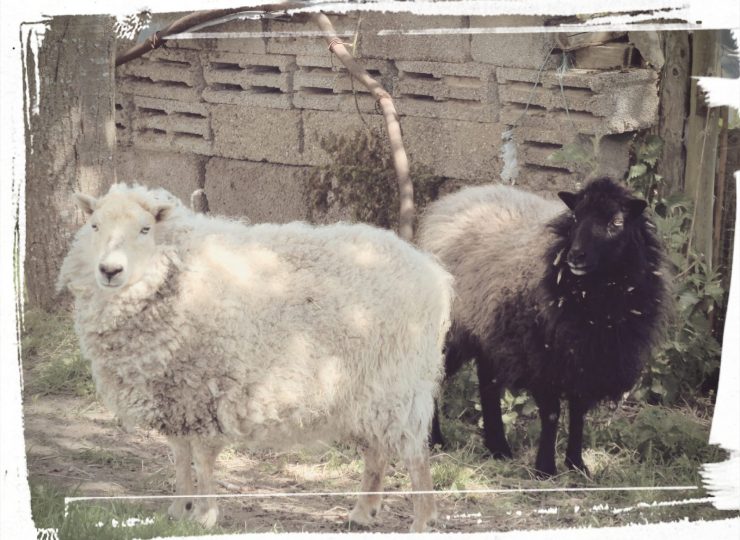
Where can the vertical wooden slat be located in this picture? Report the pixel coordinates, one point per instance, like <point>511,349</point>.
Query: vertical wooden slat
<point>702,139</point>
<point>674,106</point>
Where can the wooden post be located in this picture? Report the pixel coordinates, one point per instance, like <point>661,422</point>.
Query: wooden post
<point>70,140</point>
<point>674,107</point>
<point>702,140</point>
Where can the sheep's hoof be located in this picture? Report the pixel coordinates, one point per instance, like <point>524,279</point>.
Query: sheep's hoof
<point>577,465</point>
<point>207,518</point>
<point>543,472</point>
<point>501,453</point>
<point>419,526</point>
<point>179,508</point>
<point>362,516</point>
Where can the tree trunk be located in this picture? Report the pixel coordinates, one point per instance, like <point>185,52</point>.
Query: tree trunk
<point>702,140</point>
<point>69,141</point>
<point>674,106</point>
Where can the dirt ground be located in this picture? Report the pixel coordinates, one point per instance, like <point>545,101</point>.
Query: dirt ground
<point>80,447</point>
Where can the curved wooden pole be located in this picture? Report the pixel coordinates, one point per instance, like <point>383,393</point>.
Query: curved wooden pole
<point>398,152</point>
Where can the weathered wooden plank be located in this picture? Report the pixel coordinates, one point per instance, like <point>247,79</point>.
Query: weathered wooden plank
<point>577,40</point>
<point>702,140</point>
<point>674,108</point>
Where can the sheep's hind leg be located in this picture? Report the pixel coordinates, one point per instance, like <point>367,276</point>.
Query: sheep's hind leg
<point>368,506</point>
<point>183,477</point>
<point>549,408</point>
<point>436,435</point>
<point>574,453</point>
<point>490,399</point>
<point>205,452</point>
<point>425,510</point>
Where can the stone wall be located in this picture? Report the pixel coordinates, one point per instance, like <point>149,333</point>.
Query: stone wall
<point>244,118</point>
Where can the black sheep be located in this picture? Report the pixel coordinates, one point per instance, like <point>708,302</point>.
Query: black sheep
<point>560,301</point>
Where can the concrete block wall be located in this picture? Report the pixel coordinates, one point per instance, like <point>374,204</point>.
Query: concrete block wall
<point>247,115</point>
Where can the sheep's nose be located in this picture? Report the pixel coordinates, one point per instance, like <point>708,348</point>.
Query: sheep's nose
<point>110,270</point>
<point>576,255</point>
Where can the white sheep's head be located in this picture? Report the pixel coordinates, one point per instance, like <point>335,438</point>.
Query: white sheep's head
<point>121,240</point>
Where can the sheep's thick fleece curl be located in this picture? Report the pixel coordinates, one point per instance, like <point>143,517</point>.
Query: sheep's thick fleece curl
<point>269,334</point>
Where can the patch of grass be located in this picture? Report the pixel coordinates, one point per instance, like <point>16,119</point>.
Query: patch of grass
<point>636,445</point>
<point>51,356</point>
<point>104,457</point>
<point>104,520</point>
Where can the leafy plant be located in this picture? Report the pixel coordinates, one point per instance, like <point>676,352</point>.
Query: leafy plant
<point>361,178</point>
<point>690,353</point>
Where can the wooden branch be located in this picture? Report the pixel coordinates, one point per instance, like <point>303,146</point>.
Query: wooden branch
<point>194,19</point>
<point>398,152</point>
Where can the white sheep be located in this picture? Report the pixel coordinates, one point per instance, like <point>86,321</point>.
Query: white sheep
<point>210,330</point>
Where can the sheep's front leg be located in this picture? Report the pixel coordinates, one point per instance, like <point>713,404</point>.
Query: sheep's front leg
<point>372,480</point>
<point>573,455</point>
<point>425,510</point>
<point>183,476</point>
<point>549,408</point>
<point>490,400</point>
<point>205,452</point>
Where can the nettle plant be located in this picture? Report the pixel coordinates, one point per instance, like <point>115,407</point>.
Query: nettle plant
<point>690,353</point>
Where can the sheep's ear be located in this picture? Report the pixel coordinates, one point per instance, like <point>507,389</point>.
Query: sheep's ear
<point>570,199</point>
<point>86,203</point>
<point>161,211</point>
<point>635,207</point>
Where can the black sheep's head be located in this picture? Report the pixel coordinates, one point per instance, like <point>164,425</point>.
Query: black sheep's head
<point>603,216</point>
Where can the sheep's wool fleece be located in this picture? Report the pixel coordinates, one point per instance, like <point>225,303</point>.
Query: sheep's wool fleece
<point>272,334</point>
<point>485,232</point>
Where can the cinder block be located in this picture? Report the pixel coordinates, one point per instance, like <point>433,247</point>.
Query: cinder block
<point>330,88</point>
<point>326,125</point>
<point>257,134</point>
<point>597,102</point>
<point>253,80</point>
<point>447,90</point>
<point>474,111</point>
<point>457,149</point>
<point>181,174</point>
<point>261,192</point>
<point>163,73</point>
<point>161,140</point>
<point>171,116</point>
<point>165,64</point>
<point>168,124</point>
<point>439,47</point>
<point>547,182</point>
<point>308,46</point>
<point>512,50</point>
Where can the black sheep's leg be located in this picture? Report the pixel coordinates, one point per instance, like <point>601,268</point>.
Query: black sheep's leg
<point>436,435</point>
<point>573,455</point>
<point>454,360</point>
<point>490,399</point>
<point>549,409</point>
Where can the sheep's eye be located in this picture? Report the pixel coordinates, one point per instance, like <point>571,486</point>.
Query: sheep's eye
<point>94,227</point>
<point>617,222</point>
<point>144,230</point>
